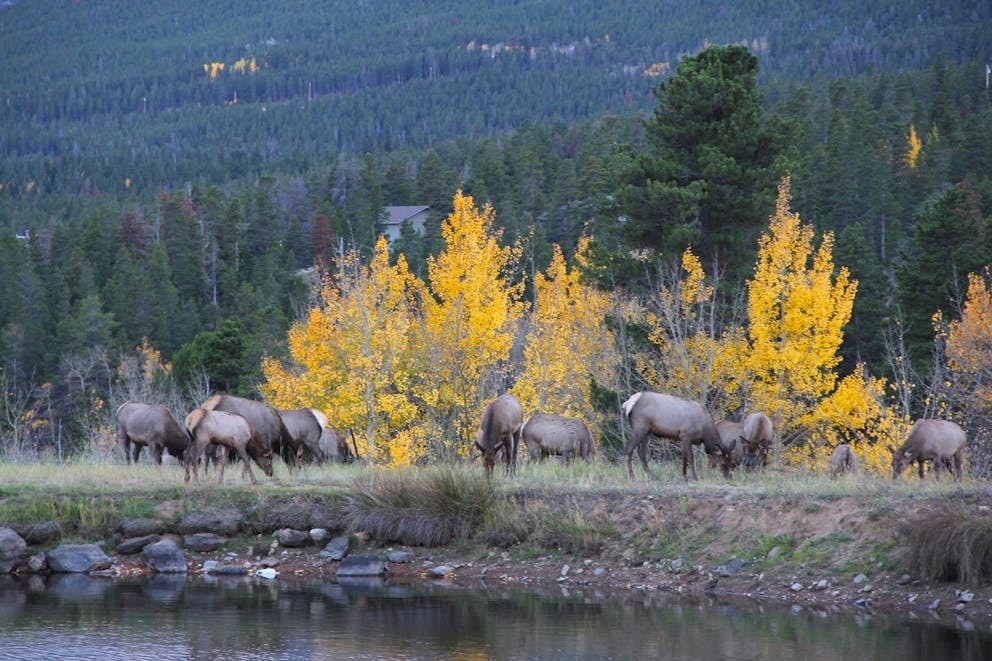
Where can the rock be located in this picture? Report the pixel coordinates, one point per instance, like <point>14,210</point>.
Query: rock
<point>905,579</point>
<point>773,552</point>
<point>267,572</point>
<point>361,565</point>
<point>221,522</point>
<point>291,538</point>
<point>318,535</point>
<point>12,547</point>
<point>129,527</point>
<point>796,587</point>
<point>165,557</point>
<point>400,556</point>
<point>959,607</point>
<point>732,567</point>
<point>37,563</point>
<point>337,548</point>
<point>203,542</point>
<point>677,565</point>
<point>934,605</point>
<point>209,566</point>
<point>564,570</point>
<point>230,570</point>
<point>440,571</point>
<point>598,571</point>
<point>74,558</point>
<point>295,514</point>
<point>966,597</point>
<point>859,579</point>
<point>912,598</point>
<point>862,603</point>
<point>44,532</point>
<point>822,584</point>
<point>270,561</point>
<point>135,544</point>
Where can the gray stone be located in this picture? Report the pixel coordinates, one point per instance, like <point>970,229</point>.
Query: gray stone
<point>74,558</point>
<point>677,565</point>
<point>318,535</point>
<point>164,557</point>
<point>440,571</point>
<point>221,522</point>
<point>295,514</point>
<point>773,552</point>
<point>337,548</point>
<point>270,561</point>
<point>37,563</point>
<point>362,565</point>
<point>209,566</point>
<point>796,587</point>
<point>44,532</point>
<point>203,542</point>
<point>135,544</point>
<point>732,567</point>
<point>130,528</point>
<point>290,538</point>
<point>905,579</point>
<point>12,547</point>
<point>399,556</point>
<point>860,578</point>
<point>229,570</point>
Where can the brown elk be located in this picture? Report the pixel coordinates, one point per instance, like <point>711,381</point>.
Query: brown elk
<point>305,427</point>
<point>546,434</point>
<point>940,441</point>
<point>675,418</point>
<point>500,429</point>
<point>757,434</point>
<point>732,440</point>
<point>227,431</point>
<point>843,460</point>
<point>263,419</point>
<point>153,425</point>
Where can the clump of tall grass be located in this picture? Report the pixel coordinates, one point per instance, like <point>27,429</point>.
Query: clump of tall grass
<point>422,507</point>
<point>571,530</point>
<point>950,546</point>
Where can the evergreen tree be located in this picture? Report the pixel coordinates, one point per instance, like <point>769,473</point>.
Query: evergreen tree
<point>713,161</point>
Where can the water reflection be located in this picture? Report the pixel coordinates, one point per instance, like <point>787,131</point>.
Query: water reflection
<point>174,616</point>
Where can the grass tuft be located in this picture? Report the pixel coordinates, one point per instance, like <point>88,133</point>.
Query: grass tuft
<point>428,507</point>
<point>950,546</point>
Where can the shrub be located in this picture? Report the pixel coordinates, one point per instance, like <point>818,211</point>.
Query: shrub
<point>950,546</point>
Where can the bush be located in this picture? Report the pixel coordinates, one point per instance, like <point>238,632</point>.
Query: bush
<point>950,546</point>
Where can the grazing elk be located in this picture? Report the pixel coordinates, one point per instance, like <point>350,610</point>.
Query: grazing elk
<point>732,440</point>
<point>546,434</point>
<point>263,419</point>
<point>940,441</point>
<point>671,417</point>
<point>843,460</point>
<point>500,429</point>
<point>757,434</point>
<point>227,431</point>
<point>305,427</point>
<point>153,425</point>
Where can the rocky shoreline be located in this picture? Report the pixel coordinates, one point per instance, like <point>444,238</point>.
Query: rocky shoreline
<point>216,543</point>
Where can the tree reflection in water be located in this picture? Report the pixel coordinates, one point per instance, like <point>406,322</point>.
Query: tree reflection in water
<point>174,616</point>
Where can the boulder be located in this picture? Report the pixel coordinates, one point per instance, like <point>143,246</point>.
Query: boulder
<point>134,527</point>
<point>12,547</point>
<point>400,556</point>
<point>290,538</point>
<point>221,522</point>
<point>337,548</point>
<point>362,565</point>
<point>135,544</point>
<point>44,532</point>
<point>75,558</point>
<point>164,557</point>
<point>203,542</point>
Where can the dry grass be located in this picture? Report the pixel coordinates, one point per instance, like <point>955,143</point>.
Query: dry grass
<point>950,546</point>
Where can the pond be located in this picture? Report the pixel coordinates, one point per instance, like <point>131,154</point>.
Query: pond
<point>75,616</point>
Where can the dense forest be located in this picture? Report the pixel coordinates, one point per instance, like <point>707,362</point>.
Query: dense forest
<point>170,178</point>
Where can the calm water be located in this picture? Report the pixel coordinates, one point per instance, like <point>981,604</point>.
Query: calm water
<point>174,617</point>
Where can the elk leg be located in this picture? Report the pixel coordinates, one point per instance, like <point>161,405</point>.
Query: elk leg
<point>919,463</point>
<point>245,458</point>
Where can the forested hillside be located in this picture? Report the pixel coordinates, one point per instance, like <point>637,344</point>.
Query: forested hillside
<point>167,173</point>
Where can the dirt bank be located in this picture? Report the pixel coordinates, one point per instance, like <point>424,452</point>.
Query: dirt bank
<point>832,553</point>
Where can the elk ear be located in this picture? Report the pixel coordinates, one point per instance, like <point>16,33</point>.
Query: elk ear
<point>892,449</point>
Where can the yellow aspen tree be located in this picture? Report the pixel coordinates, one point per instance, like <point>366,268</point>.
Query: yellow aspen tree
<point>693,358</point>
<point>471,317</point>
<point>798,304</point>
<point>353,358</point>
<point>913,147</point>
<point>968,347</point>
<point>568,344</point>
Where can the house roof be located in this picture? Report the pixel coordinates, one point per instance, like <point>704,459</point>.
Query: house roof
<point>396,215</point>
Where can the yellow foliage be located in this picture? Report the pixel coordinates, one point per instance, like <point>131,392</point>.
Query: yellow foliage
<point>797,310</point>
<point>913,147</point>
<point>213,68</point>
<point>969,345</point>
<point>354,356</point>
<point>470,317</point>
<point>568,343</point>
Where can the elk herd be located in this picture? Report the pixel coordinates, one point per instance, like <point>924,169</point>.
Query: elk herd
<point>224,427</point>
